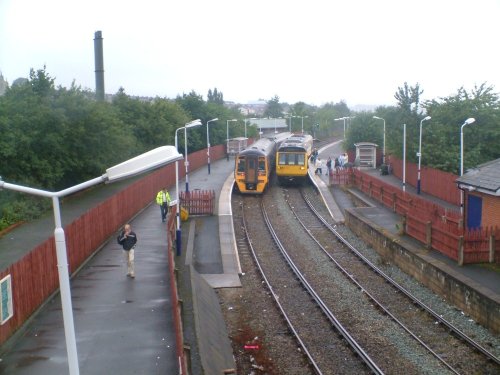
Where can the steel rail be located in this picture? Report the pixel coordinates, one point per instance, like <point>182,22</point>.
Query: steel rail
<point>276,299</point>
<point>372,298</point>
<point>330,316</point>
<point>457,332</point>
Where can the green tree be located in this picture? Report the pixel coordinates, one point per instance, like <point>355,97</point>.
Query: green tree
<point>441,135</point>
<point>215,97</point>
<point>273,108</point>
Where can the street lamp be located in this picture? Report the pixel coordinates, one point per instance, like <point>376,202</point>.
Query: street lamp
<point>178,230</point>
<point>227,137</point>
<point>140,164</point>
<point>208,144</point>
<point>420,152</point>
<point>341,118</point>
<point>467,122</point>
<point>302,117</point>
<point>383,151</point>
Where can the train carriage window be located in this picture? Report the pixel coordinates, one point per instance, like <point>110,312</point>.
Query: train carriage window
<point>262,165</point>
<point>241,165</point>
<point>282,159</point>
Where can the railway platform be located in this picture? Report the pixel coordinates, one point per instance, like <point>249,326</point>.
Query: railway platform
<point>482,281</point>
<point>124,325</point>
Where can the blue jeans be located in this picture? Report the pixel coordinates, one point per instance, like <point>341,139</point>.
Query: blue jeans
<point>163,211</point>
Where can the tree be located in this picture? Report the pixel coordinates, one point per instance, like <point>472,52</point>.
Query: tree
<point>273,108</point>
<point>441,135</point>
<point>215,97</point>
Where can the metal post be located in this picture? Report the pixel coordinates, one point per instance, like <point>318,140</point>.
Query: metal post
<point>186,162</point>
<point>177,214</point>
<point>404,157</point>
<point>64,288</point>
<point>208,144</point>
<point>420,152</point>
<point>467,122</point>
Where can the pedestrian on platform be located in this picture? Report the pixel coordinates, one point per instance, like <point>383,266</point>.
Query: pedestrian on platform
<point>128,240</point>
<point>163,200</point>
<point>319,166</point>
<point>314,156</point>
<point>328,165</point>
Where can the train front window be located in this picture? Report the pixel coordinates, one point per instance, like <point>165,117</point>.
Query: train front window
<point>300,159</point>
<point>282,159</point>
<point>262,166</point>
<point>241,165</point>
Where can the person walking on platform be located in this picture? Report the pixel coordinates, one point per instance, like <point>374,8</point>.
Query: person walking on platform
<point>328,166</point>
<point>128,240</point>
<point>319,166</point>
<point>163,200</point>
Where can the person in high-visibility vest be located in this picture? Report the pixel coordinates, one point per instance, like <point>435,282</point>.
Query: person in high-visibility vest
<point>163,200</point>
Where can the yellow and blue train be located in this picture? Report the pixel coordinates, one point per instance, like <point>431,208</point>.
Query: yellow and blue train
<point>292,159</point>
<point>255,164</point>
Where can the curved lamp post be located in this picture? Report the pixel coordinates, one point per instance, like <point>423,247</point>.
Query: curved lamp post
<point>383,150</point>
<point>420,152</point>
<point>140,164</point>
<point>208,144</point>
<point>227,137</point>
<point>178,230</point>
<point>467,122</point>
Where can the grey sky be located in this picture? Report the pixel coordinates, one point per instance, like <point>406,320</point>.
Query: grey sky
<point>315,51</point>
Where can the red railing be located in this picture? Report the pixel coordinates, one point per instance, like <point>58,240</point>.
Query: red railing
<point>198,202</point>
<point>438,227</point>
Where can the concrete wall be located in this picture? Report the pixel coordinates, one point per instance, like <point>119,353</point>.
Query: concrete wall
<point>479,303</point>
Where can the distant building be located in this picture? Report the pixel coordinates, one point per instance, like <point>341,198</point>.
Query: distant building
<point>270,125</point>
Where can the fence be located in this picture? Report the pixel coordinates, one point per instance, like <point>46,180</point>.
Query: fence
<point>198,202</point>
<point>438,227</point>
<point>433,181</point>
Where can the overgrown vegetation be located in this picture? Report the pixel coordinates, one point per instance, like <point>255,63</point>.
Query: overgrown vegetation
<point>56,137</point>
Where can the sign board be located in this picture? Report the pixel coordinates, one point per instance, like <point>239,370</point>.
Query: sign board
<point>6,306</point>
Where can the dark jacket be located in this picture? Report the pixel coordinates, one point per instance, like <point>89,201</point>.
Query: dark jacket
<point>127,242</point>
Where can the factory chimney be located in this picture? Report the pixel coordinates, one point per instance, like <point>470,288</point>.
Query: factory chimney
<point>99,66</point>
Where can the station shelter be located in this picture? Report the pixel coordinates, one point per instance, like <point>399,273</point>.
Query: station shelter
<point>366,155</point>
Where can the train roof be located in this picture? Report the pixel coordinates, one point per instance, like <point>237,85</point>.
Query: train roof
<point>263,146</point>
<point>296,142</point>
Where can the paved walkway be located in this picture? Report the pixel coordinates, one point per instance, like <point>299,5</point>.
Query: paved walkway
<point>123,325</point>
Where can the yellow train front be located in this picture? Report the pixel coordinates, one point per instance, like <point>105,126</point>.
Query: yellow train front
<point>292,159</point>
<point>255,164</point>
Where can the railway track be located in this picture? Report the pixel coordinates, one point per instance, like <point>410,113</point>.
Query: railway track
<point>298,303</point>
<point>455,350</point>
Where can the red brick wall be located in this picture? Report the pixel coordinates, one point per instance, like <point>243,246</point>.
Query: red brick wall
<point>491,211</point>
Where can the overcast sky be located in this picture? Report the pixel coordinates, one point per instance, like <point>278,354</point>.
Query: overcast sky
<point>314,51</point>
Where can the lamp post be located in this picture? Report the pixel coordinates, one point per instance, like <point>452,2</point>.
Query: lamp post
<point>419,154</point>
<point>227,137</point>
<point>404,157</point>
<point>383,151</point>
<point>302,117</point>
<point>467,122</point>
<point>147,161</point>
<point>208,144</point>
<point>343,119</point>
<point>178,230</point>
